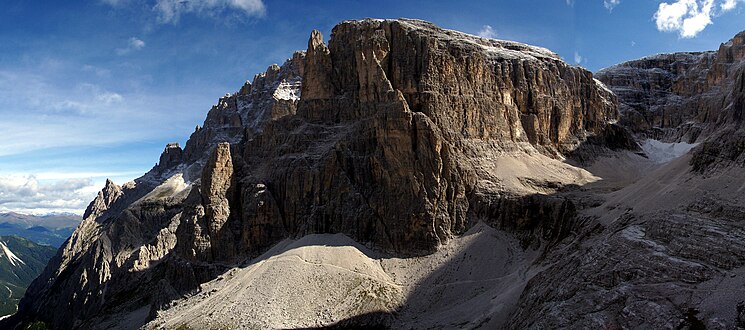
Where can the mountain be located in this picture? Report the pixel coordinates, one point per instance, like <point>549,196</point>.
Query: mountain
<point>50,221</point>
<point>50,229</point>
<point>21,261</point>
<point>687,98</point>
<point>408,176</point>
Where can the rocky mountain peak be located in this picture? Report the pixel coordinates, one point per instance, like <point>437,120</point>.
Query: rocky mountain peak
<point>315,41</point>
<point>317,81</point>
<point>217,189</point>
<point>733,50</point>
<point>390,134</point>
<point>171,156</point>
<point>110,193</point>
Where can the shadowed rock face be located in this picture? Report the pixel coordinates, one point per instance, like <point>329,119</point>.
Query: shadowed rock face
<point>660,94</point>
<point>385,135</point>
<point>688,97</point>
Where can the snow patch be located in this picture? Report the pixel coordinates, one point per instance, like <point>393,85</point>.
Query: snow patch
<point>14,260</point>
<point>661,152</point>
<point>170,188</point>
<point>288,90</point>
<point>601,85</point>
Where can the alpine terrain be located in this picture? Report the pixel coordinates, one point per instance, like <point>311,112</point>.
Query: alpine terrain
<point>49,229</point>
<point>402,175</point>
<point>21,261</point>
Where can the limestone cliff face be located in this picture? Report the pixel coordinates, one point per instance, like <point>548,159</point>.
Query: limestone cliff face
<point>387,135</point>
<point>217,191</point>
<point>476,88</point>
<point>688,97</point>
<point>391,119</point>
<point>665,96</point>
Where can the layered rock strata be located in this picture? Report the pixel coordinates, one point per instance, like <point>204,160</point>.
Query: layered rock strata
<point>686,97</point>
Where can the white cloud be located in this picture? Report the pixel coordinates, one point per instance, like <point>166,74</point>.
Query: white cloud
<point>610,4</point>
<point>487,32</point>
<point>570,3</point>
<point>728,5</point>
<point>170,11</point>
<point>87,100</point>
<point>249,6</point>
<point>39,112</point>
<point>578,58</point>
<point>687,17</point>
<point>136,43</point>
<point>47,192</point>
<point>27,194</point>
<point>98,71</point>
<point>114,2</point>
<point>133,44</point>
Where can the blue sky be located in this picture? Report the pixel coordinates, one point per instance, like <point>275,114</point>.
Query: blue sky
<point>95,89</point>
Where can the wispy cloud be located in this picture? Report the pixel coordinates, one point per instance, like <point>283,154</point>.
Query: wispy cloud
<point>114,2</point>
<point>133,44</point>
<point>170,11</point>
<point>487,32</point>
<point>578,58</point>
<point>688,17</point>
<point>98,71</point>
<point>610,4</point>
<point>39,112</point>
<point>728,5</point>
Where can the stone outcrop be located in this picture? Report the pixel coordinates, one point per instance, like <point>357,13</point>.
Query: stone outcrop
<point>172,156</point>
<point>688,97</point>
<point>104,200</point>
<point>387,135</point>
<point>217,190</point>
<point>665,97</point>
<point>664,251</point>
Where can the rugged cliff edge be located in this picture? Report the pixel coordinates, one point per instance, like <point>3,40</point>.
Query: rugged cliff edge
<point>687,97</point>
<point>398,134</point>
<point>665,249</point>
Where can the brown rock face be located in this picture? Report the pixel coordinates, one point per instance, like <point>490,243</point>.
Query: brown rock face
<point>665,97</point>
<point>171,156</point>
<point>388,135</point>
<point>106,197</point>
<point>689,97</point>
<point>496,90</point>
<point>217,183</point>
<point>381,145</point>
<point>317,80</point>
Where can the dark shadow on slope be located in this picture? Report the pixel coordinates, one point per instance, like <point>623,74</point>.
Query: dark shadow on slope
<point>477,288</point>
<point>612,139</point>
<point>642,277</point>
<point>538,221</point>
<point>541,223</point>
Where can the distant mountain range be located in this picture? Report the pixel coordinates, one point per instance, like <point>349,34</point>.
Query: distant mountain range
<point>21,261</point>
<point>51,229</point>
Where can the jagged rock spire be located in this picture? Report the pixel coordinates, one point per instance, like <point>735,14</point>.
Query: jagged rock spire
<point>317,73</point>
